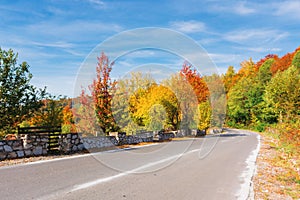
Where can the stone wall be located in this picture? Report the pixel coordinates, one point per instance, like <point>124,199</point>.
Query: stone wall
<point>11,149</point>
<point>37,144</point>
<point>26,146</point>
<point>70,143</point>
<point>99,142</point>
<point>34,144</point>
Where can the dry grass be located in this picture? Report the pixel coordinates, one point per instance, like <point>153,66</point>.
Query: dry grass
<point>278,174</point>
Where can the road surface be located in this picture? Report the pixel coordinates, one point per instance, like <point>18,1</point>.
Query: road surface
<point>212,167</point>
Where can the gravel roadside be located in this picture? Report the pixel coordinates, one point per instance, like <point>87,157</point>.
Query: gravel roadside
<point>272,173</point>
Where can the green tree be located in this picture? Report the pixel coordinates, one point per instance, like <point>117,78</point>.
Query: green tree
<point>50,114</point>
<point>217,99</point>
<point>241,98</point>
<point>126,97</point>
<point>157,115</point>
<point>264,73</point>
<point>85,116</point>
<point>18,98</point>
<point>246,105</point>
<point>296,59</point>
<point>283,94</point>
<point>228,78</point>
<point>186,99</point>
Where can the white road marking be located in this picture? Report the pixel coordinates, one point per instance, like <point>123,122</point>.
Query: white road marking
<point>74,157</point>
<point>246,176</point>
<point>102,180</point>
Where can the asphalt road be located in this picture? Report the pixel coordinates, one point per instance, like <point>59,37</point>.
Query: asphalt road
<point>213,167</point>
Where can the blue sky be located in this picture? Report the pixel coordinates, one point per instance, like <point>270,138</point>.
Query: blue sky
<point>55,36</point>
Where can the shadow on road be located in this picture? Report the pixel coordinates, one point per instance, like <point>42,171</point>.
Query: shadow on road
<point>227,135</point>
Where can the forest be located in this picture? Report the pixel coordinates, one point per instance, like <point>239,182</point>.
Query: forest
<point>262,95</point>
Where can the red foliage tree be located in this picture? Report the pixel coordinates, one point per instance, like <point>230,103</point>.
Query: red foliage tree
<point>196,81</point>
<point>102,90</point>
<point>283,63</point>
<point>261,61</point>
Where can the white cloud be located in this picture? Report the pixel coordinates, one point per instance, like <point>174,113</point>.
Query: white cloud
<point>59,44</point>
<point>98,3</point>
<point>258,36</point>
<point>262,49</point>
<point>224,58</point>
<point>188,26</point>
<point>288,8</point>
<point>241,9</point>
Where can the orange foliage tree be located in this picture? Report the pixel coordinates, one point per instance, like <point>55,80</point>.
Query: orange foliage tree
<point>283,63</point>
<point>68,119</point>
<point>102,90</point>
<point>263,60</point>
<point>196,81</point>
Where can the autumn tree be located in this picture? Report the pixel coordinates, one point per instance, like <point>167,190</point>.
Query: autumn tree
<point>154,96</point>
<point>126,99</point>
<point>247,69</point>
<point>203,116</point>
<point>50,114</point>
<point>283,94</point>
<point>85,115</point>
<point>217,99</point>
<point>157,115</point>
<point>229,78</point>
<point>102,89</point>
<point>18,98</point>
<point>283,63</point>
<point>240,102</point>
<point>187,100</point>
<point>196,81</point>
<point>68,118</point>
<point>296,59</point>
<point>264,73</point>
<point>263,60</point>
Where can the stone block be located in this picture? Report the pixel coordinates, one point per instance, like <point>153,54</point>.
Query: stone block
<point>74,148</point>
<point>80,147</point>
<point>18,145</point>
<point>77,141</point>
<point>28,152</point>
<point>20,154</point>
<point>12,155</point>
<point>45,151</point>
<point>44,140</point>
<point>3,155</point>
<point>87,145</point>
<point>7,148</point>
<point>28,141</point>
<point>27,146</point>
<point>38,151</point>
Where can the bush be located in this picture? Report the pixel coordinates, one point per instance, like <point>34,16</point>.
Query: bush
<point>260,126</point>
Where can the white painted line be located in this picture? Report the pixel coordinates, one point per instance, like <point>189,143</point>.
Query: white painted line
<point>110,178</point>
<point>74,157</point>
<point>247,175</point>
